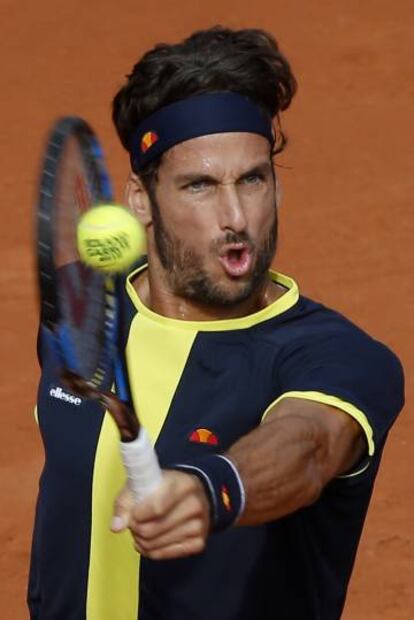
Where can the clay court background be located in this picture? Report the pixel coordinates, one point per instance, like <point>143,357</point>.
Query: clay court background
<point>347,215</point>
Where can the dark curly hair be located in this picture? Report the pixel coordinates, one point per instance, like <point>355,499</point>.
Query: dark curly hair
<point>245,61</point>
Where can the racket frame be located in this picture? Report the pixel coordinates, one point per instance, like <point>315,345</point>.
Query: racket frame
<point>99,191</point>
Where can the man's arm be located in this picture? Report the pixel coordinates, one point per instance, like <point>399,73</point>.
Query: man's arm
<point>284,464</point>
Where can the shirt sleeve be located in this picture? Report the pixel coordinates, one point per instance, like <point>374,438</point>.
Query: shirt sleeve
<point>350,371</point>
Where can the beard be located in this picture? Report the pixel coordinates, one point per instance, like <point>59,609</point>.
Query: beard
<point>187,276</point>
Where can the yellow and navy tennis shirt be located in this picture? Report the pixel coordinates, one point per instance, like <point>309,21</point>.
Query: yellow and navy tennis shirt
<point>198,387</point>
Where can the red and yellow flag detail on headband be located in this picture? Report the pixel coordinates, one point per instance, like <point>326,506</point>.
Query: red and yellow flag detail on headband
<point>203,435</point>
<point>147,140</point>
<point>225,497</point>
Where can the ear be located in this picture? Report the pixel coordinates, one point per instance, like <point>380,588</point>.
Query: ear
<point>137,199</point>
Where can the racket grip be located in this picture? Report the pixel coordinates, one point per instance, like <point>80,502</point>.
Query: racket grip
<point>141,464</point>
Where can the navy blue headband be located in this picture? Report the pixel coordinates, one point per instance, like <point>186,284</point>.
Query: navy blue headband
<point>196,116</point>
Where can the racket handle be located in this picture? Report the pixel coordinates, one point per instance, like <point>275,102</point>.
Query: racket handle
<point>141,464</point>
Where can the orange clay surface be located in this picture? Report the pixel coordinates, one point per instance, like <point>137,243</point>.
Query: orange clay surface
<point>347,228</point>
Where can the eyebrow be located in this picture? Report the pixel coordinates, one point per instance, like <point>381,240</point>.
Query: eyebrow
<point>262,168</point>
<point>200,177</point>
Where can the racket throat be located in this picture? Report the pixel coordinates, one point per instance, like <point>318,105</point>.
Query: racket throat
<point>122,413</point>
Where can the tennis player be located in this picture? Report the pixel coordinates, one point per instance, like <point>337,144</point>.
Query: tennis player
<point>269,411</point>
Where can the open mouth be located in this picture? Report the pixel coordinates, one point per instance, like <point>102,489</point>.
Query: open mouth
<point>236,259</point>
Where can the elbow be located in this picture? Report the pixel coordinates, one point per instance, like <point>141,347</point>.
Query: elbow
<point>313,489</point>
<point>313,482</point>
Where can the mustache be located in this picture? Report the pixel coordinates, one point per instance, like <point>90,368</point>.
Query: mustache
<point>233,237</point>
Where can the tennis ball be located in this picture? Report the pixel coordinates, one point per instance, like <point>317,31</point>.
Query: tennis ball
<point>110,238</point>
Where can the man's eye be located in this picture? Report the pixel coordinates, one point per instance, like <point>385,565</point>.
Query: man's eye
<point>252,179</point>
<point>197,186</point>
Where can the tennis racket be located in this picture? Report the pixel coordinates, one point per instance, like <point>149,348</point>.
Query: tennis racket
<point>79,306</point>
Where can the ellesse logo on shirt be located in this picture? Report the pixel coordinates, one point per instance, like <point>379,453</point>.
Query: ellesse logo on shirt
<point>57,392</point>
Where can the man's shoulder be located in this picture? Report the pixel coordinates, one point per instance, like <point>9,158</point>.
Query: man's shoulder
<point>308,318</point>
<point>311,326</point>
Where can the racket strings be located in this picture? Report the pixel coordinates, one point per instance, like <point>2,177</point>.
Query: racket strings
<point>86,308</point>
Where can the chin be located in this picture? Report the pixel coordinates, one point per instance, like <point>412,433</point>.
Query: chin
<point>214,293</point>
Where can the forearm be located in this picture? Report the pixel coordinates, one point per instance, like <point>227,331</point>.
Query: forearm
<point>286,462</point>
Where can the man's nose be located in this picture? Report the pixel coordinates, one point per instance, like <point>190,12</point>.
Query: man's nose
<point>231,211</point>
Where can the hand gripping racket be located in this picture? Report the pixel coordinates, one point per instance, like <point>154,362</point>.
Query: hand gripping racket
<point>79,307</point>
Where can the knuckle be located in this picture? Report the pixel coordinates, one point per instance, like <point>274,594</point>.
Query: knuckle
<point>156,510</point>
<point>196,506</point>
<point>134,527</point>
<point>145,548</point>
<point>146,531</point>
<point>184,484</point>
<point>157,555</point>
<point>196,527</point>
<point>199,544</point>
<point>192,482</point>
<point>159,507</point>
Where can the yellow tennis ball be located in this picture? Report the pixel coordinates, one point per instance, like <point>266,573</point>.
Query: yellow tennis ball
<point>110,238</point>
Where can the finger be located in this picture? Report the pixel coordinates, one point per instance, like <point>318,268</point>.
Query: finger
<point>188,509</point>
<point>189,529</point>
<point>174,488</point>
<point>191,546</point>
<point>123,506</point>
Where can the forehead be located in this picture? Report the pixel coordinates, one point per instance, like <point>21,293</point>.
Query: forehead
<point>217,153</point>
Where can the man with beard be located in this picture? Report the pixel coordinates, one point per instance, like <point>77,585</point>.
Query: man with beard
<point>269,411</point>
